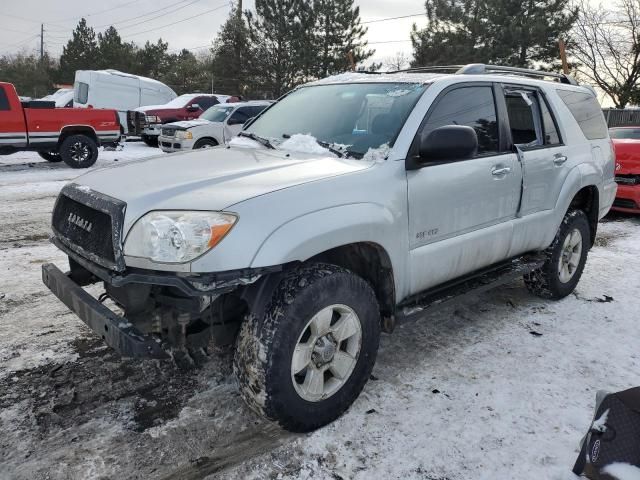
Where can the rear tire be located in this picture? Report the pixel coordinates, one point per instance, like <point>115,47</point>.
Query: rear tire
<point>53,157</point>
<point>205,143</point>
<point>79,151</point>
<point>566,258</point>
<point>307,360</point>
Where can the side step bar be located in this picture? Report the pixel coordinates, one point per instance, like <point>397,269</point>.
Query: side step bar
<point>478,282</point>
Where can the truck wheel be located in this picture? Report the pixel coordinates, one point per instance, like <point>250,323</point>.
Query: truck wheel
<point>307,360</point>
<point>205,143</point>
<point>52,157</point>
<point>79,151</point>
<point>566,258</point>
<point>150,140</point>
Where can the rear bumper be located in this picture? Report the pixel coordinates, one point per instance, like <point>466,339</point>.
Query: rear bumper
<point>627,199</point>
<point>115,330</point>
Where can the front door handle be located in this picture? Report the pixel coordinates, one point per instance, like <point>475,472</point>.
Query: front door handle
<point>498,172</point>
<point>559,159</point>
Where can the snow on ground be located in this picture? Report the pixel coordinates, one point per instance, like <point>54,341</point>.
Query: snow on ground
<point>499,387</point>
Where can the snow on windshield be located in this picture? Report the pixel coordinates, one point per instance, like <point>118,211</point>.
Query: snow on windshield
<point>303,143</point>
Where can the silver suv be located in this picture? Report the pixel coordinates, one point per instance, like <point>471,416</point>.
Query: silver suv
<point>344,208</point>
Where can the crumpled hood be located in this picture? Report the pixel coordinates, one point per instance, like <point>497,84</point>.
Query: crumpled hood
<point>627,155</point>
<point>186,124</point>
<point>211,179</point>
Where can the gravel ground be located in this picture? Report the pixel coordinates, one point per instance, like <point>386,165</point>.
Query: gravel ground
<point>499,387</point>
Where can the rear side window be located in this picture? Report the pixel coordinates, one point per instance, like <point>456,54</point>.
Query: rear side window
<point>470,106</point>
<point>82,92</point>
<point>587,112</point>
<point>206,102</point>
<point>4,101</point>
<point>521,119</point>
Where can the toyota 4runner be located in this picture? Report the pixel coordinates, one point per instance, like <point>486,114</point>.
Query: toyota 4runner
<point>347,206</point>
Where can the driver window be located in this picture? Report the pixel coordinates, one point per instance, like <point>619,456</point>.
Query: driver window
<point>470,106</point>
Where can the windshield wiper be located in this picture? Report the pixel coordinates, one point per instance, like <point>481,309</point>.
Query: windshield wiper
<point>327,145</point>
<point>256,138</point>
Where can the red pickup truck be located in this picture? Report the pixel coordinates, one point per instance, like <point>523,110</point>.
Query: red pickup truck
<point>72,135</point>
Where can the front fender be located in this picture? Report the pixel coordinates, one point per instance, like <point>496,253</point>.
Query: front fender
<point>316,232</point>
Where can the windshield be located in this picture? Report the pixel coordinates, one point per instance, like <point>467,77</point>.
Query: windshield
<point>630,133</point>
<point>217,113</point>
<point>359,116</point>
<point>180,101</point>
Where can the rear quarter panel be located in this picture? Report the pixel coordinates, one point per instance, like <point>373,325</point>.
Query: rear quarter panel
<point>13,130</point>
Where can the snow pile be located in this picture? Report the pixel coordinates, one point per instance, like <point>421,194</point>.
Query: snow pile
<point>600,425</point>
<point>622,471</point>
<point>304,144</point>
<point>379,154</point>
<point>244,142</point>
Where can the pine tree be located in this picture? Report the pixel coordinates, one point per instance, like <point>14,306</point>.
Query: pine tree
<point>232,56</point>
<point>509,32</point>
<point>338,34</point>
<point>186,74</point>
<point>278,37</point>
<point>30,74</point>
<point>80,53</point>
<point>113,53</point>
<point>151,60</point>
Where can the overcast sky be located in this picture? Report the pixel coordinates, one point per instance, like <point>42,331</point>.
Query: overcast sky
<point>141,20</point>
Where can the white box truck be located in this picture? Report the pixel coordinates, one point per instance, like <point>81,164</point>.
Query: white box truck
<point>118,90</point>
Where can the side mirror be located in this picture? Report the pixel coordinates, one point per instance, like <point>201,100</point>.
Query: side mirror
<point>193,108</point>
<point>447,144</point>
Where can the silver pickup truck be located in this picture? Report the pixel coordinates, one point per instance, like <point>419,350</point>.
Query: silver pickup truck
<point>347,206</point>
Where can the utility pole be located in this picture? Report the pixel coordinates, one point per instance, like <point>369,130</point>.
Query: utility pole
<point>239,8</point>
<point>41,42</point>
<point>563,57</point>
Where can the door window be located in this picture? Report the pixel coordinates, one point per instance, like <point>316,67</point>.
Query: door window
<point>240,116</point>
<point>82,92</point>
<point>471,106</point>
<point>4,101</point>
<point>206,102</point>
<point>549,125</point>
<point>522,111</point>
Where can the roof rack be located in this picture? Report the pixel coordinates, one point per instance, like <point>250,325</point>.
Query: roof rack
<point>481,68</point>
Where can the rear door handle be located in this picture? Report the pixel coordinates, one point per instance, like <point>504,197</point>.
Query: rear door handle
<point>498,172</point>
<point>559,159</point>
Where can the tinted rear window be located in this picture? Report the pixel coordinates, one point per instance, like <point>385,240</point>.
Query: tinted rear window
<point>585,109</point>
<point>4,101</point>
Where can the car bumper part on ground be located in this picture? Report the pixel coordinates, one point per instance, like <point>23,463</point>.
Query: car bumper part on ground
<point>627,199</point>
<point>115,330</point>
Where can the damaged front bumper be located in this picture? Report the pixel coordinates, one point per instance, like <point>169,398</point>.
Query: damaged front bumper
<point>115,330</point>
<point>195,290</point>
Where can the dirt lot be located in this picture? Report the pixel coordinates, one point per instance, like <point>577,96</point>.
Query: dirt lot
<point>499,387</point>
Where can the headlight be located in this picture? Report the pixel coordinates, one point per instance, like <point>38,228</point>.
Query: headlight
<point>152,119</point>
<point>184,135</point>
<point>177,236</point>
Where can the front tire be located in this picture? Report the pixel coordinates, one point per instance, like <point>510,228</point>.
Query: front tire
<point>52,157</point>
<point>205,143</point>
<point>307,360</point>
<point>79,151</point>
<point>150,140</point>
<point>565,259</point>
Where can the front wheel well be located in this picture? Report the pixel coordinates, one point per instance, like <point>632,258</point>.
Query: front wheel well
<point>372,263</point>
<point>587,200</point>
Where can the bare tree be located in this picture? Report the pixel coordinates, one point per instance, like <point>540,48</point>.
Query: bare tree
<point>606,44</point>
<point>397,61</point>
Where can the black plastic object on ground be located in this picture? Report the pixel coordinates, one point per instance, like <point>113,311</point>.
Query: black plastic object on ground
<point>611,448</point>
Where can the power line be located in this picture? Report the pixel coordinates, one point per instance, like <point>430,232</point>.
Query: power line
<point>162,15</point>
<point>86,15</point>
<point>395,18</point>
<point>127,20</point>
<point>179,21</point>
